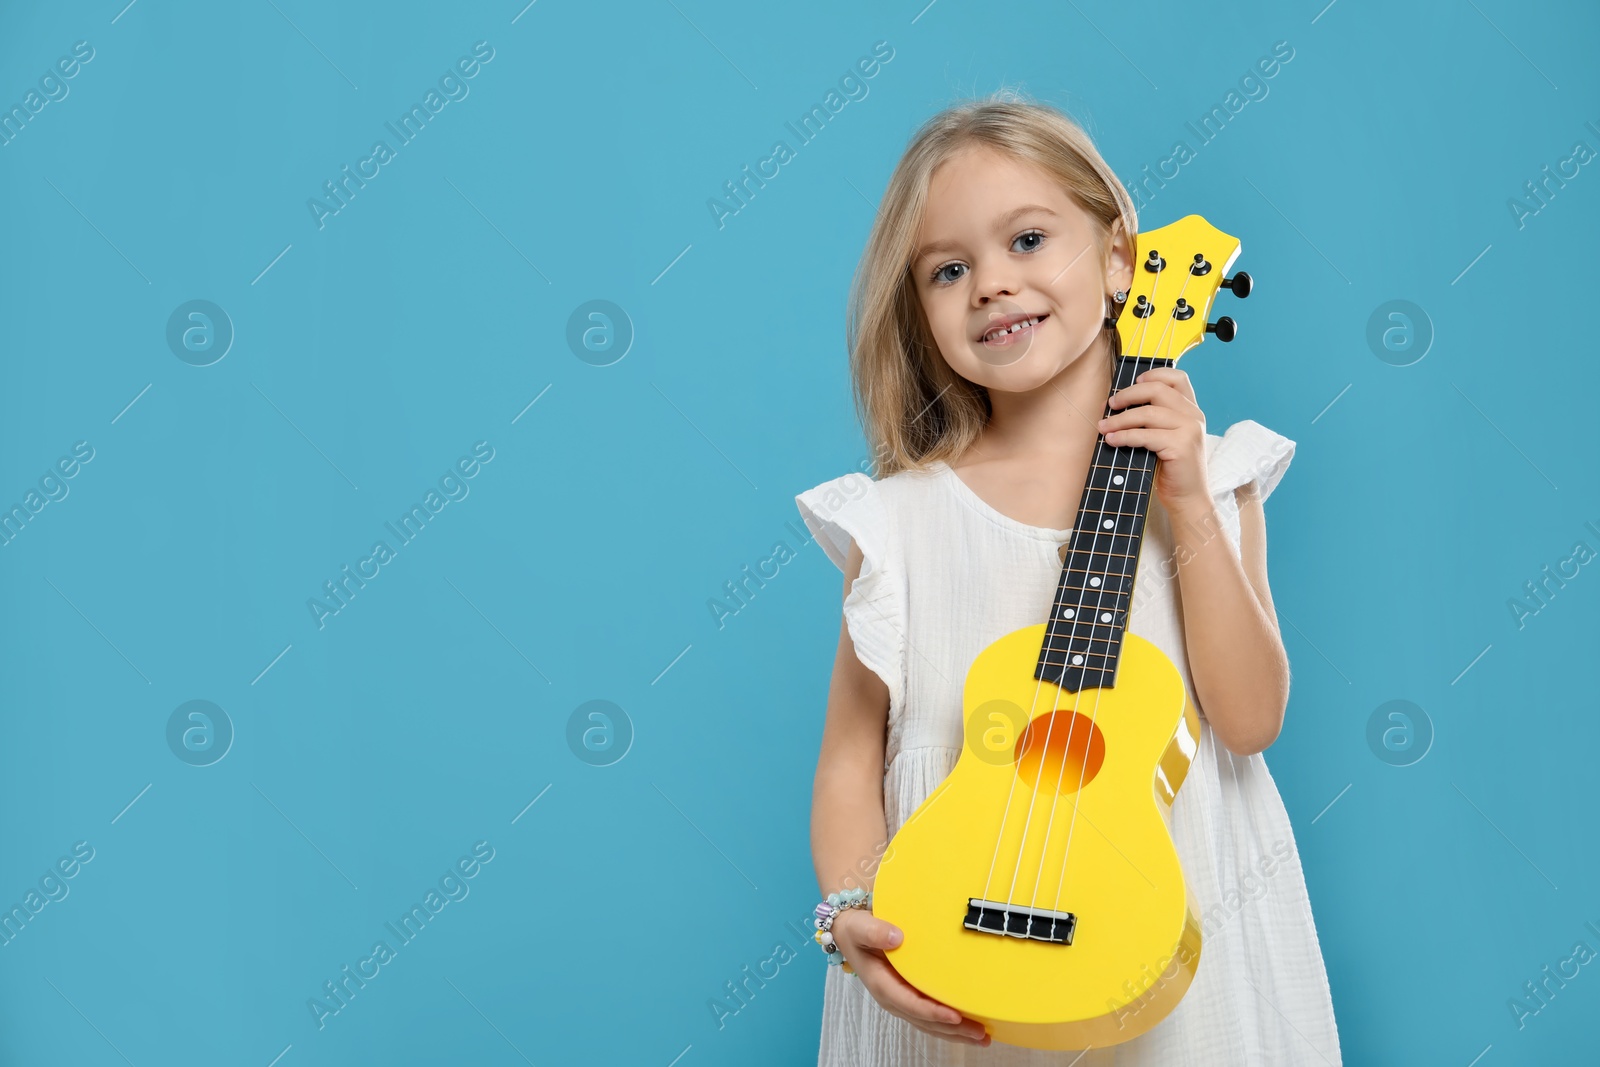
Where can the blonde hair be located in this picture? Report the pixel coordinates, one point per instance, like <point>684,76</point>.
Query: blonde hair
<point>913,407</point>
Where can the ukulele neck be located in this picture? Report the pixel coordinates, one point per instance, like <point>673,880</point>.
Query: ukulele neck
<point>1083,636</point>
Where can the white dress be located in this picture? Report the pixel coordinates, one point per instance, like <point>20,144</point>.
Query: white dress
<point>944,575</point>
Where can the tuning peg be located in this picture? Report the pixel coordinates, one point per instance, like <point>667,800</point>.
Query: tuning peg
<point>1225,328</point>
<point>1240,284</point>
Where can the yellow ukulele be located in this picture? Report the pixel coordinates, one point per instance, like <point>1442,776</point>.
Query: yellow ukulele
<point>1038,886</point>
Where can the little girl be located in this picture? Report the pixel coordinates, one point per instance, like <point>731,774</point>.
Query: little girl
<point>982,360</point>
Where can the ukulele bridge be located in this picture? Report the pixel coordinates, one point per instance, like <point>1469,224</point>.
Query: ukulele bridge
<point>1019,920</point>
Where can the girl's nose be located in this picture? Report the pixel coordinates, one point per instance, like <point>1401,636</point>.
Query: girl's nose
<point>994,285</point>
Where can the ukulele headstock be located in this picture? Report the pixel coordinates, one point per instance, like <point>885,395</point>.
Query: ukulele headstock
<point>1179,270</point>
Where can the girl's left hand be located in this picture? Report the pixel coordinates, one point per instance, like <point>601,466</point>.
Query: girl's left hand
<point>1169,423</point>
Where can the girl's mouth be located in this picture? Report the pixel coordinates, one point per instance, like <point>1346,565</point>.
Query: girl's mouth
<point>1021,331</point>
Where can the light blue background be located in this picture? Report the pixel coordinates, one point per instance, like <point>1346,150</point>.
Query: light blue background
<point>433,309</point>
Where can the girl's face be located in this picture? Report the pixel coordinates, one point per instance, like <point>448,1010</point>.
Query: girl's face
<point>1003,244</point>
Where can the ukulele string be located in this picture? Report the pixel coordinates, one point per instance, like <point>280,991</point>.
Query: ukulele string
<point>1033,705</point>
<point>1094,619</point>
<point>1096,611</point>
<point>1165,340</point>
<point>1050,728</point>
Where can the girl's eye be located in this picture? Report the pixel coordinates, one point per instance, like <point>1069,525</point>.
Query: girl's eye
<point>1023,236</point>
<point>1034,237</point>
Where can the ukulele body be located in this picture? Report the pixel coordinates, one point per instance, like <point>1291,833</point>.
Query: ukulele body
<point>1134,937</point>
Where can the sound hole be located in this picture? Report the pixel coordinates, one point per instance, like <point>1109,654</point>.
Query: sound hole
<point>1075,750</point>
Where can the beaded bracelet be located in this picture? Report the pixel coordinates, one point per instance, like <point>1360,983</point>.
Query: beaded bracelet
<point>828,910</point>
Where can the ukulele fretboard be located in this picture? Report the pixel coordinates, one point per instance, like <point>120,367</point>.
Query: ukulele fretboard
<point>1083,635</point>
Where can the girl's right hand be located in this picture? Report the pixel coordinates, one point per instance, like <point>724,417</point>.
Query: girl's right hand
<point>861,938</point>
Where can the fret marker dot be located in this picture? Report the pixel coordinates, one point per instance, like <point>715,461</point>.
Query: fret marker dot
<point>1067,613</point>
<point>1116,479</point>
<point>1105,616</point>
<point>1077,660</point>
<point>1107,524</point>
<point>1095,582</point>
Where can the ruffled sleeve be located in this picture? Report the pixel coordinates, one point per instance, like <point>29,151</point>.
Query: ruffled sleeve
<point>852,508</point>
<point>1246,454</point>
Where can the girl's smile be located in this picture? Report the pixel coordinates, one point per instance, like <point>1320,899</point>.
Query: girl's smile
<point>1012,329</point>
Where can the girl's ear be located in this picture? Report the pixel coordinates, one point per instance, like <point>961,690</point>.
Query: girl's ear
<point>1119,266</point>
